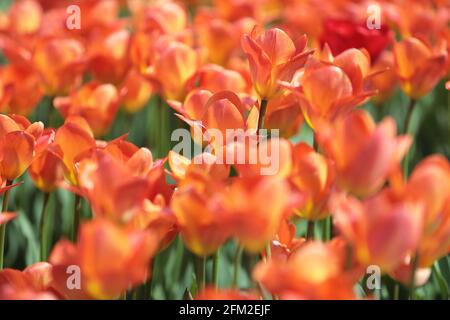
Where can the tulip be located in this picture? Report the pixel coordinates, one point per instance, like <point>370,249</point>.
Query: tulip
<point>47,169</point>
<point>74,138</point>
<point>21,90</point>
<point>156,218</point>
<point>138,91</point>
<point>364,154</point>
<point>215,79</point>
<point>108,57</point>
<point>254,222</point>
<point>215,116</point>
<point>202,227</point>
<point>252,157</point>
<point>333,86</point>
<point>17,145</point>
<point>34,283</point>
<point>174,66</point>
<point>312,174</point>
<point>233,10</point>
<point>424,20</point>
<point>165,17</point>
<point>273,57</point>
<point>111,190</point>
<point>110,260</point>
<point>96,103</point>
<point>60,64</point>
<point>139,161</point>
<point>314,271</point>
<point>203,165</point>
<point>25,17</point>
<point>382,230</point>
<point>285,242</point>
<point>429,184</point>
<point>386,81</point>
<point>419,66</point>
<point>142,51</point>
<point>17,151</point>
<point>220,37</point>
<point>284,114</point>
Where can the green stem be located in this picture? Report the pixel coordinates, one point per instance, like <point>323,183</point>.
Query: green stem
<point>310,230</point>
<point>408,117</point>
<point>237,265</point>
<point>407,129</point>
<point>262,115</point>
<point>396,291</point>
<point>412,280</point>
<point>76,217</point>
<point>148,286</point>
<point>200,272</point>
<point>216,268</point>
<point>42,227</point>
<point>327,228</point>
<point>3,226</point>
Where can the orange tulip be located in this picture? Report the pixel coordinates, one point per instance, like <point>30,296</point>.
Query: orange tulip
<point>419,66</point>
<point>364,154</point>
<point>382,230</point>
<point>285,242</point>
<point>110,260</point>
<point>60,64</point>
<point>17,145</point>
<point>218,36</point>
<point>110,188</point>
<point>313,271</point>
<point>194,106</point>
<point>219,113</point>
<point>430,184</point>
<point>386,82</point>
<point>236,9</point>
<point>156,218</point>
<point>96,103</point>
<point>25,17</point>
<point>202,227</point>
<point>137,92</point>
<point>74,138</point>
<point>108,57</point>
<point>143,51</point>
<point>184,169</point>
<point>34,283</point>
<point>421,19</point>
<point>215,79</point>
<point>273,57</point>
<point>284,114</point>
<point>21,90</point>
<point>334,85</point>
<point>312,174</point>
<point>252,157</point>
<point>253,222</point>
<point>47,169</point>
<point>165,17</point>
<point>175,64</point>
<point>138,162</point>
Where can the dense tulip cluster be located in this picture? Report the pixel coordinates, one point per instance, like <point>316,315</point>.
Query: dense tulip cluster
<point>301,180</point>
